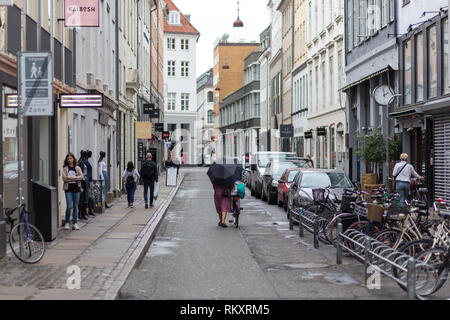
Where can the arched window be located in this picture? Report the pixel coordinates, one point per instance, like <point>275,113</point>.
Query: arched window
<point>210,116</point>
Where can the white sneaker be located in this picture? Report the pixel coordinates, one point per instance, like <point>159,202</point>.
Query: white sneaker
<point>76,227</point>
<point>66,226</point>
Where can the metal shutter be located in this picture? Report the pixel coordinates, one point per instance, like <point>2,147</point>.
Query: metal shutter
<point>442,157</point>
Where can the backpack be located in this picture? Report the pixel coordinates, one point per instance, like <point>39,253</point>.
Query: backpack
<point>130,179</point>
<point>240,190</point>
<point>148,171</point>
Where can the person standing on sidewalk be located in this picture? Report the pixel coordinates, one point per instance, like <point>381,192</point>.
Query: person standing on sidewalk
<point>149,175</point>
<point>103,173</point>
<point>130,177</point>
<point>90,196</point>
<point>72,177</point>
<point>402,173</point>
<point>82,206</point>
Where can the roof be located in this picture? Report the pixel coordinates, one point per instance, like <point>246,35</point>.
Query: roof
<point>185,25</point>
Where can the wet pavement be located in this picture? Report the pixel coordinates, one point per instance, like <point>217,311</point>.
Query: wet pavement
<point>192,258</point>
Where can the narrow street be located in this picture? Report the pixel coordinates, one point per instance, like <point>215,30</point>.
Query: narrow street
<point>192,258</point>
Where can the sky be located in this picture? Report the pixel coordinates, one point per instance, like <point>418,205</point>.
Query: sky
<point>213,18</point>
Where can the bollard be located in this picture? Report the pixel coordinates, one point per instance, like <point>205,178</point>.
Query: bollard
<point>316,231</point>
<point>339,244</point>
<point>300,224</point>
<point>411,279</point>
<point>291,223</point>
<point>366,258</point>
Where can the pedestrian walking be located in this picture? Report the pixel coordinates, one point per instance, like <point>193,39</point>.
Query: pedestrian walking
<point>149,175</point>
<point>169,162</point>
<point>103,175</point>
<point>130,177</point>
<point>222,202</point>
<point>402,175</point>
<point>72,177</point>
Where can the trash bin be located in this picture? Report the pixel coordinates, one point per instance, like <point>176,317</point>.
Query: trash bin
<point>45,208</point>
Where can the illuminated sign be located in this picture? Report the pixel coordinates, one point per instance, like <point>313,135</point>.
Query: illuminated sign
<point>81,101</point>
<point>11,101</point>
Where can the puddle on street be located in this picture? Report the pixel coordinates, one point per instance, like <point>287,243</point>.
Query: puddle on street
<point>335,278</point>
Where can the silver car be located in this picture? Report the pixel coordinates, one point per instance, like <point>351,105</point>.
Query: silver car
<point>300,192</point>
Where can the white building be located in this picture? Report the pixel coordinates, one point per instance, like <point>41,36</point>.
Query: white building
<point>326,76</point>
<point>205,117</point>
<point>180,39</point>
<point>95,129</point>
<point>264,135</point>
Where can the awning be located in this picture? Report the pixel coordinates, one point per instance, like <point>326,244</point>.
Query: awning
<point>375,74</point>
<point>406,112</point>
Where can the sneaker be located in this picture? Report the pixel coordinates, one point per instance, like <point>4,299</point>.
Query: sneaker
<point>76,227</point>
<point>131,206</point>
<point>146,206</point>
<point>152,205</point>
<point>67,226</point>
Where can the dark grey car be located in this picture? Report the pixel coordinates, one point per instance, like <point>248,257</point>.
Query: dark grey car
<point>300,192</point>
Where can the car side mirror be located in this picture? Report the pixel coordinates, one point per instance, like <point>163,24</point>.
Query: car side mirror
<point>253,167</point>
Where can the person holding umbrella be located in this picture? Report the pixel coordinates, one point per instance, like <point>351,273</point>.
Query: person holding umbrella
<point>223,176</point>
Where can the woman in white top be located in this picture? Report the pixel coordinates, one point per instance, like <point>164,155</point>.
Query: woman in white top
<point>130,178</point>
<point>402,174</point>
<point>103,174</point>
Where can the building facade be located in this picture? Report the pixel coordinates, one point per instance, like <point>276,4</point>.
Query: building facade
<point>266,114</point>
<point>180,39</point>
<point>205,117</point>
<point>326,116</point>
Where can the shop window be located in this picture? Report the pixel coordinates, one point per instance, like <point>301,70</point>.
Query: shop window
<point>432,62</point>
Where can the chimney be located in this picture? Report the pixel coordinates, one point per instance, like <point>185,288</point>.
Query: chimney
<point>188,16</point>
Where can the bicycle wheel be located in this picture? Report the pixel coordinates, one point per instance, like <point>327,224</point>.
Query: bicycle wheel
<point>27,243</point>
<point>412,248</point>
<point>393,238</point>
<point>436,258</point>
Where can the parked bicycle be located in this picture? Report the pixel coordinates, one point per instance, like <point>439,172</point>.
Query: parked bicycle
<point>25,240</point>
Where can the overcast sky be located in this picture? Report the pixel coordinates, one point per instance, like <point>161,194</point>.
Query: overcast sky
<point>213,18</point>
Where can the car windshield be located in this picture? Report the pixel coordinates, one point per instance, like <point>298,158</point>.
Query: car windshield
<point>264,158</point>
<point>292,175</point>
<point>324,179</point>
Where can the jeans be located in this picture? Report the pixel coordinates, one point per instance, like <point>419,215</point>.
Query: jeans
<point>105,177</point>
<point>402,187</point>
<point>150,184</point>
<point>72,199</point>
<point>130,192</point>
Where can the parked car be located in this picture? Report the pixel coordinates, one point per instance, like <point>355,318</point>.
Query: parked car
<point>300,191</point>
<point>283,186</point>
<point>258,165</point>
<point>272,175</point>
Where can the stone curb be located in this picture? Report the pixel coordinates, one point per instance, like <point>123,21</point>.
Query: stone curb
<point>135,254</point>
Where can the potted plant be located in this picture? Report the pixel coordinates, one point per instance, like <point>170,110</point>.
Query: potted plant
<point>372,149</point>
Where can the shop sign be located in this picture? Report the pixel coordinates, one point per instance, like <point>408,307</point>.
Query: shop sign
<point>308,135</point>
<point>286,131</point>
<point>81,100</point>
<point>143,130</point>
<point>159,127</point>
<point>321,131</point>
<point>81,13</point>
<point>11,101</point>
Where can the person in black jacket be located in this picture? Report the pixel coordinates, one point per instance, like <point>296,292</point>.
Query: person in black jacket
<point>149,174</point>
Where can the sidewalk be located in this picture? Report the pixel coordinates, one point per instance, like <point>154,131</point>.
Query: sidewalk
<point>106,249</point>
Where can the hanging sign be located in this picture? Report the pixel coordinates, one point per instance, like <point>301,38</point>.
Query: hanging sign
<point>36,83</point>
<point>81,13</point>
<point>286,131</point>
<point>81,100</point>
<point>143,130</point>
<point>321,131</point>
<point>308,135</point>
<point>159,127</point>
<point>11,101</point>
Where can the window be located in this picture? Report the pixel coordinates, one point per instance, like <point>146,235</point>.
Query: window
<point>210,96</point>
<point>419,68</point>
<point>256,101</point>
<point>331,80</point>
<point>445,56</point>
<point>171,100</point>
<point>174,17</point>
<point>185,101</point>
<point>384,12</point>
<point>184,44</point>
<point>171,43</point>
<point>432,62</point>
<point>185,68</point>
<point>391,10</point>
<point>407,72</point>
<point>210,116</point>
<point>171,68</point>
<point>349,24</point>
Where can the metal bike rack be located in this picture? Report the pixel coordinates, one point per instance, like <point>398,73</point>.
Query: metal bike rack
<point>375,253</point>
<point>309,221</point>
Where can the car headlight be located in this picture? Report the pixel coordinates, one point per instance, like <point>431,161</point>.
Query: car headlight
<point>274,183</point>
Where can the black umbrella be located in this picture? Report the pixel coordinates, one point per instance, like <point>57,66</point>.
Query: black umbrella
<point>224,174</point>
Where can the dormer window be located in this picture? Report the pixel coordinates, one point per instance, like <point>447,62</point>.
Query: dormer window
<point>174,17</point>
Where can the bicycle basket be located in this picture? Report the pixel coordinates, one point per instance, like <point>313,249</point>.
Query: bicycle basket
<point>318,195</point>
<point>345,203</point>
<point>375,212</point>
<point>393,212</point>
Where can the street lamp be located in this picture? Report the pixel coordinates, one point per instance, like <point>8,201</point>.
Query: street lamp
<point>238,23</point>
